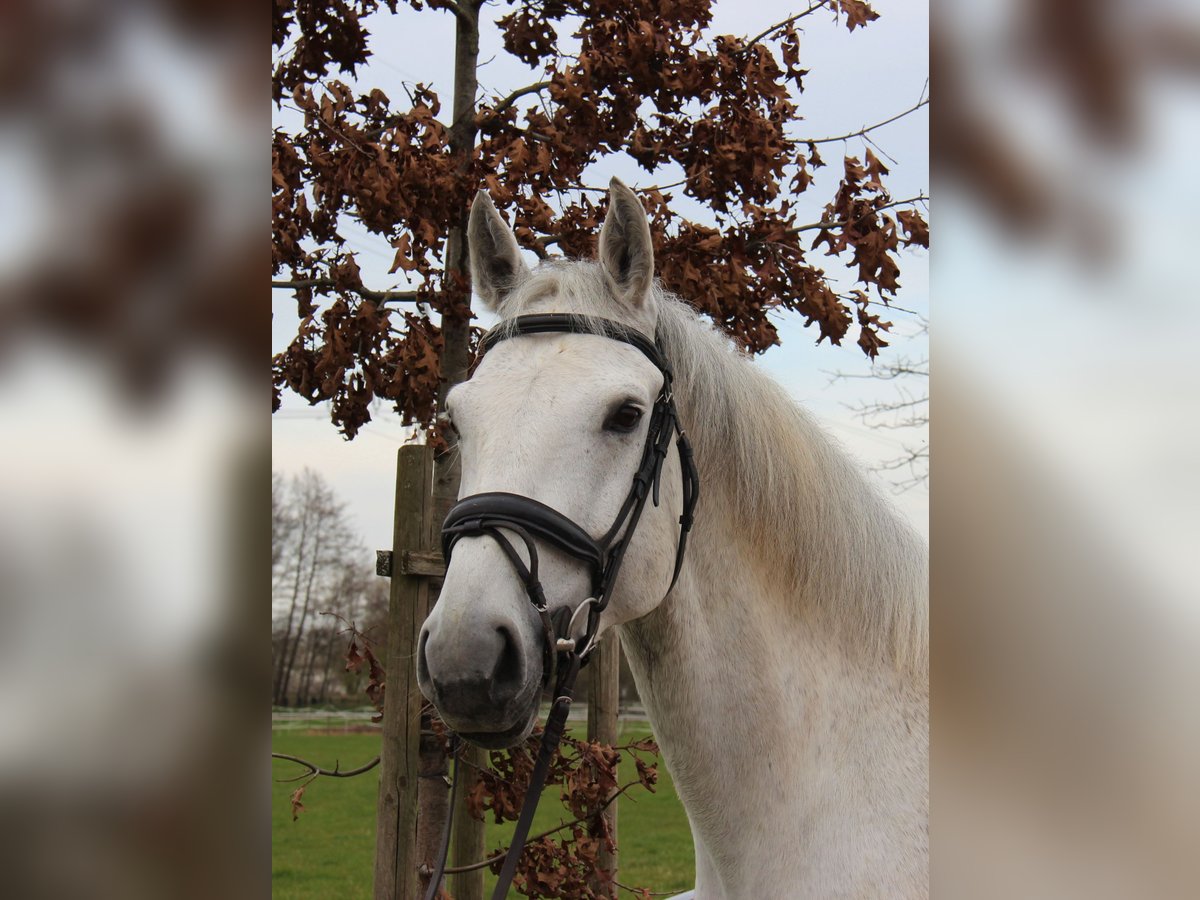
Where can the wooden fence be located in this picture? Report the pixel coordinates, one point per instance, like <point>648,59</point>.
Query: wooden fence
<point>413,787</point>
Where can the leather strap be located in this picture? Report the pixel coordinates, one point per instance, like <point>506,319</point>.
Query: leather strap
<point>436,880</point>
<point>497,508</point>
<point>552,734</point>
<point>571,323</point>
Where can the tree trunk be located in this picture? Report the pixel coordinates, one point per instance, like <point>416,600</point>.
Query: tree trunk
<point>330,647</point>
<point>432,806</point>
<point>279,693</point>
<point>468,844</point>
<point>304,691</point>
<point>314,565</point>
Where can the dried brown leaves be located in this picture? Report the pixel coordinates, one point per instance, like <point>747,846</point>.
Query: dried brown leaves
<point>724,112</point>
<point>564,863</point>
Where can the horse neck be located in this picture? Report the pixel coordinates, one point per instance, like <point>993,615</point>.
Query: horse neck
<point>753,688</point>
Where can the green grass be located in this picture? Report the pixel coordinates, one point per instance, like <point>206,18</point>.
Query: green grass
<point>329,852</point>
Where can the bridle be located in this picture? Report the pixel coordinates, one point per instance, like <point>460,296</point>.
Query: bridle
<point>490,513</point>
<point>494,513</point>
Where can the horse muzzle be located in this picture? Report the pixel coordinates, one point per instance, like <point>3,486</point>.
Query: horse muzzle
<point>484,679</point>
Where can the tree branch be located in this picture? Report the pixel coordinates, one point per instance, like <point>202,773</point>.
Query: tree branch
<point>579,186</point>
<point>916,459</point>
<point>484,863</point>
<point>329,128</point>
<point>641,892</point>
<point>365,293</point>
<point>314,769</point>
<point>887,372</point>
<point>884,302</point>
<point>528,133</point>
<point>821,4</point>
<point>839,223</point>
<point>924,101</point>
<point>512,98</point>
<point>865,410</point>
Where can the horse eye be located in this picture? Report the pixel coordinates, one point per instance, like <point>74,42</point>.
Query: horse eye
<point>625,419</point>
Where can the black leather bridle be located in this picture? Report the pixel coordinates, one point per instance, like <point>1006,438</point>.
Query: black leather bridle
<point>494,513</point>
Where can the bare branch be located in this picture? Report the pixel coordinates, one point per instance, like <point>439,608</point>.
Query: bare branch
<point>913,456</point>
<point>866,411</point>
<point>924,101</point>
<point>908,410</point>
<point>917,462</point>
<point>315,770</point>
<point>779,26</point>
<point>888,371</point>
<point>641,893</point>
<point>365,293</point>
<point>885,303</point>
<point>663,187</point>
<point>650,187</point>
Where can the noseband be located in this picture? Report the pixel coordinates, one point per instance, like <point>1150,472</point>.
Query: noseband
<point>491,514</point>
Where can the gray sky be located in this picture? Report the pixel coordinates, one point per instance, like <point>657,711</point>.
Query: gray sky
<point>856,79</point>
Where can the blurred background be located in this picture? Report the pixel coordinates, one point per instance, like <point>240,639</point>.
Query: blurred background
<point>1065,510</point>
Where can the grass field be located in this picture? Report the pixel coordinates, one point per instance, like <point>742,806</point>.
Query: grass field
<point>329,851</point>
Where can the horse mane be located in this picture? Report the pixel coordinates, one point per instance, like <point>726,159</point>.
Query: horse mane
<point>824,535</point>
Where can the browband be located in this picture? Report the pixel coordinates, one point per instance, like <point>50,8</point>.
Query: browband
<point>572,323</point>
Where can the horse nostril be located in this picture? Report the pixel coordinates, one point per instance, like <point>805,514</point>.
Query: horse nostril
<point>422,665</point>
<point>507,673</point>
<point>475,675</point>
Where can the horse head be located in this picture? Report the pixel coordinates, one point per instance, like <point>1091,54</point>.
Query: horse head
<point>566,420</point>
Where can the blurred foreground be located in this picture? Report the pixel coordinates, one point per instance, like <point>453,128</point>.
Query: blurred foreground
<point>134,491</point>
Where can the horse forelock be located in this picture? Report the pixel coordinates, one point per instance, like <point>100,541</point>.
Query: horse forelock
<point>805,513</point>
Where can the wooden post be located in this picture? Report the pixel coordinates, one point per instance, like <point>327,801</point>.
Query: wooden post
<point>396,850</point>
<point>603,699</point>
<point>469,839</point>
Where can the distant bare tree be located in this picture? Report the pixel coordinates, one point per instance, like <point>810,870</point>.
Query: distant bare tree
<point>907,410</point>
<point>356,594</point>
<point>315,552</point>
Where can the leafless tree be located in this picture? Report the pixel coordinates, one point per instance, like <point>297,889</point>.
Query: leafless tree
<point>907,410</point>
<point>315,555</point>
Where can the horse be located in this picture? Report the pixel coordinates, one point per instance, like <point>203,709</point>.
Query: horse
<point>785,670</point>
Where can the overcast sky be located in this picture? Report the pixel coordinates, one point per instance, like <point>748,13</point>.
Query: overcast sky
<point>856,79</point>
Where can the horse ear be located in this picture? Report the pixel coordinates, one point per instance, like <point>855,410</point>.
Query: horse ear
<point>496,263</point>
<point>626,250</point>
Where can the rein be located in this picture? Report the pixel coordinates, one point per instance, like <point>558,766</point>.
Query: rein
<point>493,513</point>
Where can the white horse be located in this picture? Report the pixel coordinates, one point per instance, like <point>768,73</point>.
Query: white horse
<point>785,674</point>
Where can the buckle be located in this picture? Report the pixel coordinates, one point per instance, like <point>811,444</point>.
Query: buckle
<point>569,643</point>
